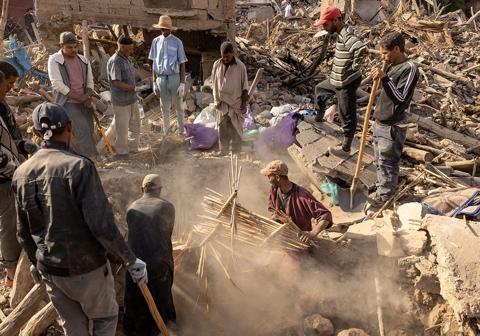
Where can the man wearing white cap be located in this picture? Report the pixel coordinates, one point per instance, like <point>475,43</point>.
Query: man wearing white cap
<point>168,56</point>
<point>150,222</point>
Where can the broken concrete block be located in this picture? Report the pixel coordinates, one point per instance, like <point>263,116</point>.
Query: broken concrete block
<point>427,281</point>
<point>203,99</point>
<point>411,215</point>
<point>317,325</point>
<point>413,242</point>
<point>455,242</point>
<point>352,332</point>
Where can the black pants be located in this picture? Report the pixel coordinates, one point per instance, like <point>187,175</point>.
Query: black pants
<point>226,134</point>
<point>346,103</point>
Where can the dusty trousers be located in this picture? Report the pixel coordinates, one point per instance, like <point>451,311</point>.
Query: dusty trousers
<point>84,298</point>
<point>168,86</point>
<point>388,142</point>
<point>126,117</point>
<point>9,247</point>
<point>228,134</point>
<point>83,141</point>
<point>346,105</point>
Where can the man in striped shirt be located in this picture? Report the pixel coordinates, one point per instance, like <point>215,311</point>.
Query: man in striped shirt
<point>344,79</point>
<point>390,114</point>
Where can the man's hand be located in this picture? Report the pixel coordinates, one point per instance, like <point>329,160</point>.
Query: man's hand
<point>306,236</point>
<point>3,159</point>
<point>156,89</point>
<point>181,90</point>
<point>377,73</point>
<point>36,276</point>
<point>138,271</point>
<point>141,88</point>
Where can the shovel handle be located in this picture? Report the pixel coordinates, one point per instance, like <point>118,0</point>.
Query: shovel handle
<point>153,309</point>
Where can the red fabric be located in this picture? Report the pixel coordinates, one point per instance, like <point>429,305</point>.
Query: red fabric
<point>75,74</point>
<point>301,207</point>
<point>328,13</point>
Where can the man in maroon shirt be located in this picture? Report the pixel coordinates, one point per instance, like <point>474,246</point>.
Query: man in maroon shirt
<point>311,216</point>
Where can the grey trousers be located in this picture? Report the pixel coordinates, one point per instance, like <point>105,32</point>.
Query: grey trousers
<point>126,117</point>
<point>168,86</point>
<point>83,141</point>
<point>226,134</point>
<point>84,298</point>
<point>9,247</point>
<point>388,142</point>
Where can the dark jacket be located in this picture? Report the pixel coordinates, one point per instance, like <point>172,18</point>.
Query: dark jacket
<point>398,87</point>
<point>300,206</point>
<point>150,226</point>
<point>65,223</point>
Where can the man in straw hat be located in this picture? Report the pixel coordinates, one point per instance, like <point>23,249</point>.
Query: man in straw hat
<point>150,222</point>
<point>311,216</point>
<point>169,60</point>
<point>72,82</point>
<point>66,226</point>
<point>345,77</point>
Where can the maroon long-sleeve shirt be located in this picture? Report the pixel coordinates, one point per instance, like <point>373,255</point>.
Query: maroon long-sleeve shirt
<point>300,206</point>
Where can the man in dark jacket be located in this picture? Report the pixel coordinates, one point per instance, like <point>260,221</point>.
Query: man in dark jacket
<point>390,114</point>
<point>66,226</point>
<point>311,216</point>
<point>150,222</point>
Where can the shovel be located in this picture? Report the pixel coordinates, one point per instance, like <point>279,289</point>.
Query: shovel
<point>366,124</point>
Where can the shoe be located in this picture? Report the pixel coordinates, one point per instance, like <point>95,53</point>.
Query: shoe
<point>339,151</point>
<point>374,203</point>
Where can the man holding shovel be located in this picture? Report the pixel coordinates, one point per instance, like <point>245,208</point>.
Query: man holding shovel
<point>390,114</point>
<point>345,77</point>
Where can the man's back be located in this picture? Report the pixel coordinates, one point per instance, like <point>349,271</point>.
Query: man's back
<point>150,225</point>
<point>63,212</point>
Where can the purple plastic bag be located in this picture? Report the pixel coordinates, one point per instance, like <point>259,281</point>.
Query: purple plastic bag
<point>201,136</point>
<point>278,137</point>
<point>249,122</point>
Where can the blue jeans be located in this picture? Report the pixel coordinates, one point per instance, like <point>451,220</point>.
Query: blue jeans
<point>168,86</point>
<point>388,144</point>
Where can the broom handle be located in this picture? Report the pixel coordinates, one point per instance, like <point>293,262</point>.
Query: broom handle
<point>153,309</point>
<point>366,123</point>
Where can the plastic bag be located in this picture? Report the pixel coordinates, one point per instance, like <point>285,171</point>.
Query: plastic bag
<point>201,136</point>
<point>249,122</point>
<point>331,189</point>
<point>206,116</point>
<point>330,113</point>
<point>278,137</point>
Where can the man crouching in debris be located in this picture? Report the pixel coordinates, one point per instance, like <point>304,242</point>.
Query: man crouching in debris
<point>345,77</point>
<point>311,216</point>
<point>230,95</point>
<point>390,114</point>
<point>150,222</point>
<point>72,82</point>
<point>66,226</point>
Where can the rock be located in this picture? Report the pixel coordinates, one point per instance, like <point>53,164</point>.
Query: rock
<point>352,332</point>
<point>3,300</point>
<point>436,315</point>
<point>190,105</point>
<point>203,99</point>
<point>410,214</point>
<point>317,325</point>
<point>427,281</point>
<point>413,242</point>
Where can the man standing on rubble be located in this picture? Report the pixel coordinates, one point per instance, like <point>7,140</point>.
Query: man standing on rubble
<point>311,216</point>
<point>121,77</point>
<point>150,222</point>
<point>169,60</point>
<point>16,151</point>
<point>66,226</point>
<point>345,77</point>
<point>390,114</point>
<point>72,81</point>
<point>230,96</point>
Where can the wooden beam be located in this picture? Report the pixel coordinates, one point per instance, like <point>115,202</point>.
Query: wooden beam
<point>23,282</point>
<point>85,40</point>
<point>40,321</point>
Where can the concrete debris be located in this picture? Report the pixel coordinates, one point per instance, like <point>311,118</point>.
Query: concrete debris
<point>317,325</point>
<point>455,243</point>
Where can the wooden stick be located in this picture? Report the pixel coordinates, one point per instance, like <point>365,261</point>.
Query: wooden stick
<point>153,309</point>
<point>257,78</point>
<point>86,41</point>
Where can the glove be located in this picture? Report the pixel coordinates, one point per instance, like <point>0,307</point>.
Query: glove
<point>181,90</point>
<point>141,88</point>
<point>156,90</point>
<point>138,271</point>
<point>36,276</point>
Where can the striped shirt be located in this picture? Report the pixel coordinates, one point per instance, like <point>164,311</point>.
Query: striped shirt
<point>349,53</point>
<point>398,87</point>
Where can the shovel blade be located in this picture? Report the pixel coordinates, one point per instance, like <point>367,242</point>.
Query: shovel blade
<point>352,202</point>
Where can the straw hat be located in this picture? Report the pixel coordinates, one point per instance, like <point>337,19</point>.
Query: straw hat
<point>164,22</point>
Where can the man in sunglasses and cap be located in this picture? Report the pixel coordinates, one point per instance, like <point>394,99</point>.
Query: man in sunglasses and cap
<point>345,77</point>
<point>168,56</point>
<point>66,226</point>
<point>72,82</point>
